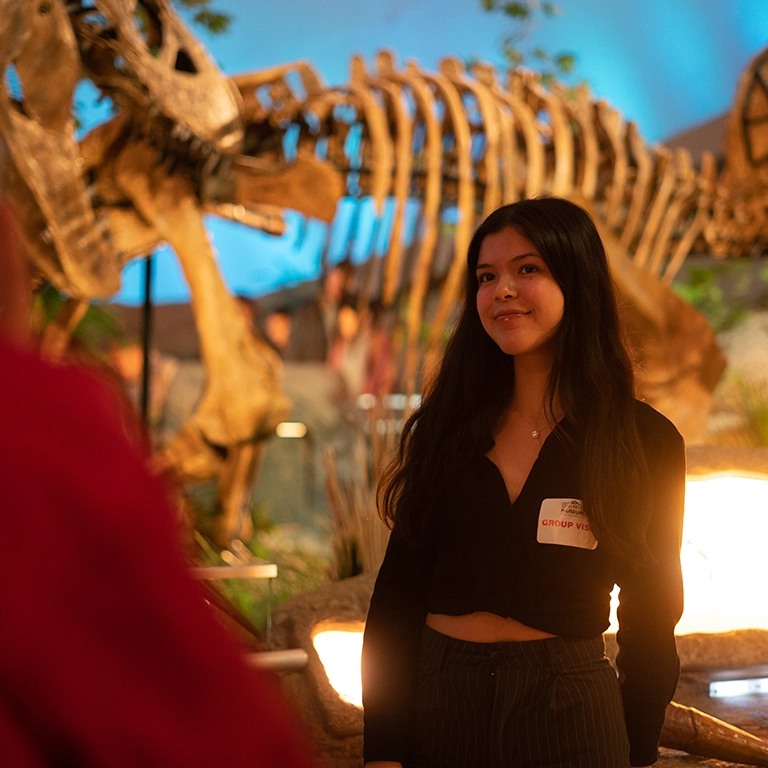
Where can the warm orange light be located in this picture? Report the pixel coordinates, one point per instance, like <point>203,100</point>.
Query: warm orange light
<point>725,567</point>
<point>340,651</point>
<point>291,429</point>
<point>723,555</point>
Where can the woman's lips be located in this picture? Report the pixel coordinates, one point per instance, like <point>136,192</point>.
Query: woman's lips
<point>510,314</point>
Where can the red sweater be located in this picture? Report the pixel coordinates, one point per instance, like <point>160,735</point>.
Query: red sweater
<point>108,654</point>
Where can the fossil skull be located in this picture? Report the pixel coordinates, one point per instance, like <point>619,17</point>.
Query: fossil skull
<point>140,53</point>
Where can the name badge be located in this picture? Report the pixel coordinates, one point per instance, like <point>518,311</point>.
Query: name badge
<point>562,521</point>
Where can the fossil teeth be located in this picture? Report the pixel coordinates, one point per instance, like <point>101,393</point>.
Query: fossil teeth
<point>180,132</point>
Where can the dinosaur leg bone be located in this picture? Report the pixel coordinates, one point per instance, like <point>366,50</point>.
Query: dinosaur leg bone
<point>242,400</point>
<point>235,483</point>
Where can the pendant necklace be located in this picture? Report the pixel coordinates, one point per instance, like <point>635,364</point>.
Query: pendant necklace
<point>534,432</point>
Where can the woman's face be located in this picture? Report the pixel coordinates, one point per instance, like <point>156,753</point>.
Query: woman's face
<point>519,303</point>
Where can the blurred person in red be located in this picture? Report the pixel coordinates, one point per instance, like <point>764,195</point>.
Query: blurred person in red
<point>108,654</point>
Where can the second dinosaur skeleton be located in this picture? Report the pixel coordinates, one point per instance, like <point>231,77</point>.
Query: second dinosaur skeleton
<point>459,140</point>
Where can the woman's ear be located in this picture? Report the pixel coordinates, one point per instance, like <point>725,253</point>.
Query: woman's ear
<point>15,285</point>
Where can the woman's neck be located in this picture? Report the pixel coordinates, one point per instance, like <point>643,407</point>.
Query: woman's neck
<point>529,398</point>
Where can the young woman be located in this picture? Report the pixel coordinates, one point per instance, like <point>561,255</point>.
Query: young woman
<point>527,484</point>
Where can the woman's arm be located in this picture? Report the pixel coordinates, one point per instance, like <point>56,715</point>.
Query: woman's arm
<point>391,651</point>
<point>651,600</point>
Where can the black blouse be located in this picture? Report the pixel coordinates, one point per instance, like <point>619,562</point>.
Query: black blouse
<point>486,554</point>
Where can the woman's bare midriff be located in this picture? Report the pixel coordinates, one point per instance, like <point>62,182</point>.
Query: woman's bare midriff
<point>482,627</point>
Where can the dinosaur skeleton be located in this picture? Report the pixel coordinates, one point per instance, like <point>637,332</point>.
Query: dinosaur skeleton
<point>87,209</point>
<point>452,139</point>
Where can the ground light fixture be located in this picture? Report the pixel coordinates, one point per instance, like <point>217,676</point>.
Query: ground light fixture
<point>721,689</point>
<point>291,429</point>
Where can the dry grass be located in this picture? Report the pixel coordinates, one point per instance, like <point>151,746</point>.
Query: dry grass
<point>359,535</point>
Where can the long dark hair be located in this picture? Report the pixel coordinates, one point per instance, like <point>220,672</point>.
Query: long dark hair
<point>591,381</point>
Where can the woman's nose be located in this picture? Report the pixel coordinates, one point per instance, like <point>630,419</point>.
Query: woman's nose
<point>506,287</point>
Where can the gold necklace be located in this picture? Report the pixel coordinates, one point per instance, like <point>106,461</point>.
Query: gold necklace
<point>535,433</point>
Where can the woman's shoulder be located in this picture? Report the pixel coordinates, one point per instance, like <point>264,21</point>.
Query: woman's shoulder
<point>655,429</point>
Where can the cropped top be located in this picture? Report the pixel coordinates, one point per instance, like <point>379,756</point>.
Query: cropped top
<point>484,553</point>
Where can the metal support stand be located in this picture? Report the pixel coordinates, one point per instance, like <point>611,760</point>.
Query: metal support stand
<point>146,339</point>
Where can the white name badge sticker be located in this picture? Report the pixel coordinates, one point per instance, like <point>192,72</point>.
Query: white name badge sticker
<point>562,521</point>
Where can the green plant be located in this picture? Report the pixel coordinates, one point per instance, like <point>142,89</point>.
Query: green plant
<point>298,570</point>
<point>751,400</point>
<point>704,292</point>
<point>204,16</point>
<point>523,15</point>
<point>94,332</point>
<point>299,567</point>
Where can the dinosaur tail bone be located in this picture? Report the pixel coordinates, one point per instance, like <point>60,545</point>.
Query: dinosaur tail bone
<point>700,734</point>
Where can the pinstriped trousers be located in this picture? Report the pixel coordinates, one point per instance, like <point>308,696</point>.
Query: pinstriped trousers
<point>552,703</point>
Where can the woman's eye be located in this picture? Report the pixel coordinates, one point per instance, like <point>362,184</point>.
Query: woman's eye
<point>528,269</point>
<point>484,277</point>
